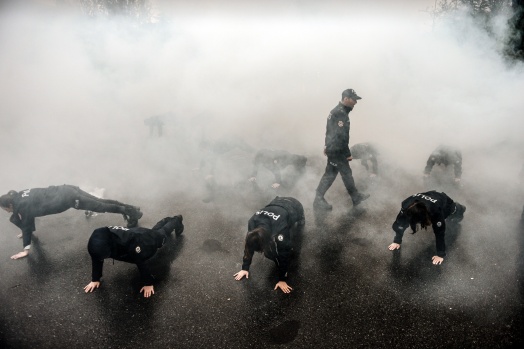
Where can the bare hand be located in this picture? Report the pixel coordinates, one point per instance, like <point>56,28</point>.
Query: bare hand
<point>394,246</point>
<point>350,158</point>
<point>252,179</point>
<point>283,286</point>
<point>90,287</point>
<point>19,236</point>
<point>437,260</point>
<point>241,274</point>
<point>20,254</point>
<point>275,185</point>
<point>148,291</point>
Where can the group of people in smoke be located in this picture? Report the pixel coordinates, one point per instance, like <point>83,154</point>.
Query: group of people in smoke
<point>272,230</point>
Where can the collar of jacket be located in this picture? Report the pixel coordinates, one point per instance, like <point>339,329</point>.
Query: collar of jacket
<point>345,108</point>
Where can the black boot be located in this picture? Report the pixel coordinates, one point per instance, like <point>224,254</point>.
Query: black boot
<point>179,229</point>
<point>359,198</point>
<point>321,203</point>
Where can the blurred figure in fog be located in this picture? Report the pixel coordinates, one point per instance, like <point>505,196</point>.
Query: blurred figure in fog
<point>425,209</point>
<point>336,148</point>
<point>131,245</point>
<point>366,152</point>
<point>212,151</point>
<point>271,231</point>
<point>155,124</point>
<point>28,204</point>
<point>276,161</point>
<point>445,155</point>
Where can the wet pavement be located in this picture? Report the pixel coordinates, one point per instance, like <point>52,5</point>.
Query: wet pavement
<point>349,290</point>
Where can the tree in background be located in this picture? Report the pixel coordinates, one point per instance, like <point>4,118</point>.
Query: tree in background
<point>138,10</point>
<point>484,11</point>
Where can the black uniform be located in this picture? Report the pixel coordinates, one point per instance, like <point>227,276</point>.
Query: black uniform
<point>132,245</point>
<point>446,156</point>
<point>366,152</point>
<point>276,160</point>
<point>337,151</point>
<point>37,202</point>
<point>440,207</point>
<point>278,219</point>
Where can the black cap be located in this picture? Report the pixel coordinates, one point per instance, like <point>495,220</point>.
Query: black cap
<point>350,93</point>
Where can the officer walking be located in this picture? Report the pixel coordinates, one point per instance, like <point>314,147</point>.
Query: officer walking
<point>337,151</point>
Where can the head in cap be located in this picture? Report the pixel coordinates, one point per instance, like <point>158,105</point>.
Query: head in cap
<point>350,93</point>
<point>350,97</point>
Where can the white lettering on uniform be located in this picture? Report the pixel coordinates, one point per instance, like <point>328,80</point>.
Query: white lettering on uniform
<point>117,227</point>
<point>270,214</point>
<point>25,193</point>
<point>425,197</point>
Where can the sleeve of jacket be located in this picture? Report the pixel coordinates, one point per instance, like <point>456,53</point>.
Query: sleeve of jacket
<point>248,257</point>
<point>429,164</point>
<point>284,250</point>
<point>147,277</point>
<point>337,137</point>
<point>374,161</point>
<point>27,225</point>
<point>458,167</point>
<point>399,226</point>
<point>96,269</point>
<point>439,228</point>
<point>283,259</point>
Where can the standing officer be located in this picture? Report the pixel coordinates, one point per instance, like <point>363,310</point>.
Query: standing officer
<point>337,151</point>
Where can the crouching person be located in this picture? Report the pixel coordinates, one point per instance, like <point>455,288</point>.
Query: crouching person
<point>132,245</point>
<point>270,231</point>
<point>427,209</point>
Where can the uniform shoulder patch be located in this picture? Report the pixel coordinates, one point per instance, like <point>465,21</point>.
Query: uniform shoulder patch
<point>280,237</point>
<point>439,224</point>
<point>340,123</point>
<point>137,249</point>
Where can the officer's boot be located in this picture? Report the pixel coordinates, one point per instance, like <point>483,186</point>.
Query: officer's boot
<point>321,203</point>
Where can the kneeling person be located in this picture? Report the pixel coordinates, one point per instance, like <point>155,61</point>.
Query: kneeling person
<point>132,245</point>
<point>270,232</point>
<point>430,208</point>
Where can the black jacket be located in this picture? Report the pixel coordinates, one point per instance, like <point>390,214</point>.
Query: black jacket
<point>337,132</point>
<point>38,202</point>
<point>277,219</point>
<point>446,156</point>
<point>365,152</point>
<point>440,206</point>
<point>132,245</point>
<point>275,161</point>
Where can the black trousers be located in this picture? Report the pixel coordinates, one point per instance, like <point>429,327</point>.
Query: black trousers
<point>81,200</point>
<point>336,164</point>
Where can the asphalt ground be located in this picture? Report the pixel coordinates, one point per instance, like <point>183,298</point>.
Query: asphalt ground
<point>349,290</point>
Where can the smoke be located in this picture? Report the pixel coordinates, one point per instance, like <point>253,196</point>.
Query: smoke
<point>76,90</point>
